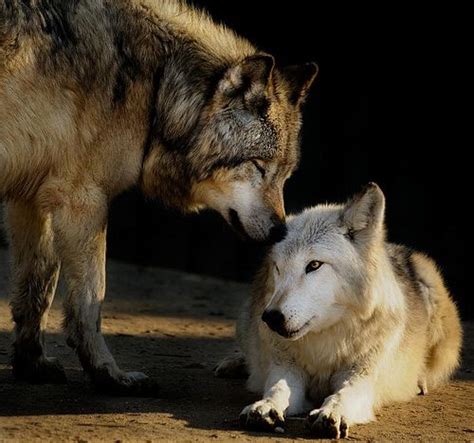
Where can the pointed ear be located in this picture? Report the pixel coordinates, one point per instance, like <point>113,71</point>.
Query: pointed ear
<point>300,79</point>
<point>252,72</point>
<point>364,213</point>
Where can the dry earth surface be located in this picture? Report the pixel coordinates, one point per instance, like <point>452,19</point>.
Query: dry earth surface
<point>175,327</point>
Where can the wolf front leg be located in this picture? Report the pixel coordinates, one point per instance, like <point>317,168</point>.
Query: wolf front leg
<point>35,271</point>
<point>79,225</point>
<point>284,394</point>
<point>351,403</point>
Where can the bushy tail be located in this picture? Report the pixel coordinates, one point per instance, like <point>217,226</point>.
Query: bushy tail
<point>445,332</point>
<point>444,355</point>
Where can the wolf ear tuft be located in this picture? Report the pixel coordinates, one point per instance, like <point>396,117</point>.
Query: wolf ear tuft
<point>365,211</point>
<point>253,71</point>
<point>299,78</point>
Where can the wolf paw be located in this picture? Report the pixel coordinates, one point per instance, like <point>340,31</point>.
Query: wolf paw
<point>422,386</point>
<point>327,424</point>
<point>262,415</point>
<point>231,367</point>
<point>126,384</point>
<point>42,371</point>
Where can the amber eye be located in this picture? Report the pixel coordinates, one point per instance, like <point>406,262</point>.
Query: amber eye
<point>313,265</point>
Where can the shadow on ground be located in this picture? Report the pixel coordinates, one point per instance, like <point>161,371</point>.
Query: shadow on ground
<point>176,327</point>
<point>189,392</point>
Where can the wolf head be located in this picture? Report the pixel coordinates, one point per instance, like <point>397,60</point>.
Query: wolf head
<point>231,142</point>
<point>323,267</point>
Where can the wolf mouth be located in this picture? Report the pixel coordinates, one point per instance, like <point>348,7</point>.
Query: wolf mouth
<point>277,232</point>
<point>297,333</point>
<point>236,223</point>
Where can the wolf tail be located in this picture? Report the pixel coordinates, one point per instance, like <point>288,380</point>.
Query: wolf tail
<point>445,332</point>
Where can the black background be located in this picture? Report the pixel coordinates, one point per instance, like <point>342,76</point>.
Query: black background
<point>413,153</point>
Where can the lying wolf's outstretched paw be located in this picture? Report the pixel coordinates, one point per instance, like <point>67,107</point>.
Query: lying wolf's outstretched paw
<point>327,424</point>
<point>43,370</point>
<point>126,384</point>
<point>262,415</point>
<point>231,367</point>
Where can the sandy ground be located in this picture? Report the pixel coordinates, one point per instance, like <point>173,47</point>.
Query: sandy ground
<point>175,327</point>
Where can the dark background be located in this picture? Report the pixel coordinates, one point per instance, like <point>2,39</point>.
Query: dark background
<point>412,154</point>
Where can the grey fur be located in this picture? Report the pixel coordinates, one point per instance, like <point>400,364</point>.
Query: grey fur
<point>97,96</point>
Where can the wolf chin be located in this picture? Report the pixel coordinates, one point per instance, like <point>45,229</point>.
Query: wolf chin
<point>97,96</point>
<point>344,321</point>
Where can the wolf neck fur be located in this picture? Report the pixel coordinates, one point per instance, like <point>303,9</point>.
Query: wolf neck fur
<point>135,60</point>
<point>348,337</point>
<point>194,53</point>
<point>385,288</point>
<point>186,22</point>
<point>383,299</point>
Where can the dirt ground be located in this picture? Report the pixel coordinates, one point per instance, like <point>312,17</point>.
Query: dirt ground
<point>175,327</point>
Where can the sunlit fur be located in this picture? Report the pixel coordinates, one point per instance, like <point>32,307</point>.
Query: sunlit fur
<point>382,325</point>
<point>97,96</point>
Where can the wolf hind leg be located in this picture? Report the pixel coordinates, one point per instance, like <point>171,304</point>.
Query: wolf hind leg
<point>233,366</point>
<point>422,386</point>
<point>35,272</point>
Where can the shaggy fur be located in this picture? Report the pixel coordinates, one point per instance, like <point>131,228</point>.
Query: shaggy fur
<point>352,322</point>
<point>97,96</point>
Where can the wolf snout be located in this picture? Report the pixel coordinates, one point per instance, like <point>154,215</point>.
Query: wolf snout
<point>275,320</point>
<point>258,227</point>
<point>277,233</point>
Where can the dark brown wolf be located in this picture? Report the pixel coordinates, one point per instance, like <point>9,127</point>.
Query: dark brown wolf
<point>97,96</point>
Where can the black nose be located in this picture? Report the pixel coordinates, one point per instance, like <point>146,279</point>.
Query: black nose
<point>275,320</point>
<point>277,233</point>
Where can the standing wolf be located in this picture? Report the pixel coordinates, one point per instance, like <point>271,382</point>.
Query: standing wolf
<point>99,95</point>
<point>352,322</point>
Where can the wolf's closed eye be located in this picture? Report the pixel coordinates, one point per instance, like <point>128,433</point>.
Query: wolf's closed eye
<point>313,265</point>
<point>259,168</point>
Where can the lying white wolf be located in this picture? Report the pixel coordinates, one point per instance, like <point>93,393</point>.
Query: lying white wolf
<point>350,322</point>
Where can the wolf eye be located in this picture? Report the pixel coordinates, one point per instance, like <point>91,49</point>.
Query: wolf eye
<point>259,168</point>
<point>313,265</point>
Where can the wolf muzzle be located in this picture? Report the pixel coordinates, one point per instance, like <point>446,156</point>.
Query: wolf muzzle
<point>275,321</point>
<point>237,224</point>
<point>276,233</point>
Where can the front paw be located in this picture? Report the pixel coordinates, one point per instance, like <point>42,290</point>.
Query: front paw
<point>326,423</point>
<point>262,415</point>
